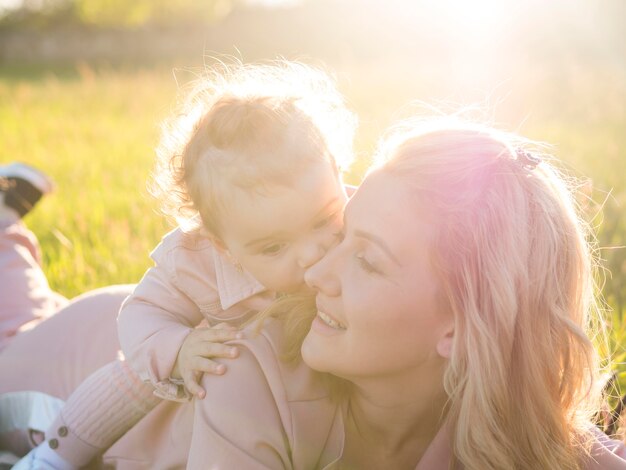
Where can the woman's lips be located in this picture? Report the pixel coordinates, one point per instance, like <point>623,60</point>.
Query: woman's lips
<point>330,321</point>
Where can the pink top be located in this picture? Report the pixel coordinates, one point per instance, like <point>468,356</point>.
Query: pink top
<point>191,282</point>
<point>265,414</point>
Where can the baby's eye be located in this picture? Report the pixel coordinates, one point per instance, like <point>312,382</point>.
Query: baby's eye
<point>273,249</point>
<point>327,220</point>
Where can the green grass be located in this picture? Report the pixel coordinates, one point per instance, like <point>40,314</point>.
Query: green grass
<point>94,131</point>
<point>94,134</point>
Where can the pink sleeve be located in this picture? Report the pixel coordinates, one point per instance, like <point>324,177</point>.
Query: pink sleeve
<point>154,321</point>
<point>238,424</point>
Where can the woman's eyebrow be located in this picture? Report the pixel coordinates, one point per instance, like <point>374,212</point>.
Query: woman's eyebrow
<point>379,242</point>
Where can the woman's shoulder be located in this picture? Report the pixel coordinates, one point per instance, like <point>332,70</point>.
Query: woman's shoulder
<point>293,381</point>
<point>262,407</point>
<point>261,368</point>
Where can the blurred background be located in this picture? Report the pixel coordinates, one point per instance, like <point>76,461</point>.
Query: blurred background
<point>85,83</point>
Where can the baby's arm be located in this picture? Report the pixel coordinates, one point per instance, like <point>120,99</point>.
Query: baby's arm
<point>103,408</point>
<point>157,323</point>
<point>153,324</point>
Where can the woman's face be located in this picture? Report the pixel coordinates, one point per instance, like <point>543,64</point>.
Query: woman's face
<point>378,312</point>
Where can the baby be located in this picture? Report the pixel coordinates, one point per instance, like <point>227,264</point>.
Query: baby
<point>250,169</point>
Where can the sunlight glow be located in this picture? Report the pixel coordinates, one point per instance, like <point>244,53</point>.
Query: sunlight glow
<point>476,16</point>
<point>474,32</point>
<point>274,3</point>
<point>8,5</point>
<point>477,21</point>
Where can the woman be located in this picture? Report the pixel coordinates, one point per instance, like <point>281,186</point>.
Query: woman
<point>451,327</point>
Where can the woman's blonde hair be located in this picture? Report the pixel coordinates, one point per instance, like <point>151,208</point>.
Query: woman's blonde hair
<point>515,265</point>
<point>251,127</point>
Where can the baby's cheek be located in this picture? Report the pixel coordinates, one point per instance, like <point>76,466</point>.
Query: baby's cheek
<point>283,276</point>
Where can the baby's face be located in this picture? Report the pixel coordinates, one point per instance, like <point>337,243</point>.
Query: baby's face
<point>276,237</point>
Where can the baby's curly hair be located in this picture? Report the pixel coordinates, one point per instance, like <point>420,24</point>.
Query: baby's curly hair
<point>250,126</point>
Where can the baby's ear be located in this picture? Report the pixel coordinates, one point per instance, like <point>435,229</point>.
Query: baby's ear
<point>444,345</point>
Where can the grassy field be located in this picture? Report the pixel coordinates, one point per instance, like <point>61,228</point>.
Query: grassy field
<point>94,134</point>
<point>94,129</point>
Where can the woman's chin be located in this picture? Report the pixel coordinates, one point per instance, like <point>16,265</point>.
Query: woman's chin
<point>315,355</point>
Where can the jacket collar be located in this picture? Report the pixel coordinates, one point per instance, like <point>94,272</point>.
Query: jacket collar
<point>233,285</point>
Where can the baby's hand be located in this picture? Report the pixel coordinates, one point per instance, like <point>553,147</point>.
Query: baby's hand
<point>200,345</point>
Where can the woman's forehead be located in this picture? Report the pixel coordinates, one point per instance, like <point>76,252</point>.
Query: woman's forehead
<point>385,206</point>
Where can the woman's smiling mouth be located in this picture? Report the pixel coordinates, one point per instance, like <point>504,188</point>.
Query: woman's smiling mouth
<point>330,321</point>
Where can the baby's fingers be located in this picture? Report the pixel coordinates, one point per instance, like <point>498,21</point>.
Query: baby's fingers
<point>208,349</point>
<point>219,335</point>
<point>202,364</point>
<point>191,383</point>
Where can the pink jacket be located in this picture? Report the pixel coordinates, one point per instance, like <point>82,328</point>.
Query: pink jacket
<point>265,414</point>
<point>191,282</point>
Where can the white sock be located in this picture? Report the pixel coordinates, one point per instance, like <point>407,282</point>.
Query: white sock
<point>44,458</point>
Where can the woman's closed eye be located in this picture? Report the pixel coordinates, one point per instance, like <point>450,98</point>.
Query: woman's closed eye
<point>366,265</point>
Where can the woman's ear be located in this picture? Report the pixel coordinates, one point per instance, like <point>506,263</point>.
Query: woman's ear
<point>444,345</point>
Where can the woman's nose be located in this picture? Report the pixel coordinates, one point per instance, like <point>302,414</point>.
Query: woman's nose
<point>322,277</point>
